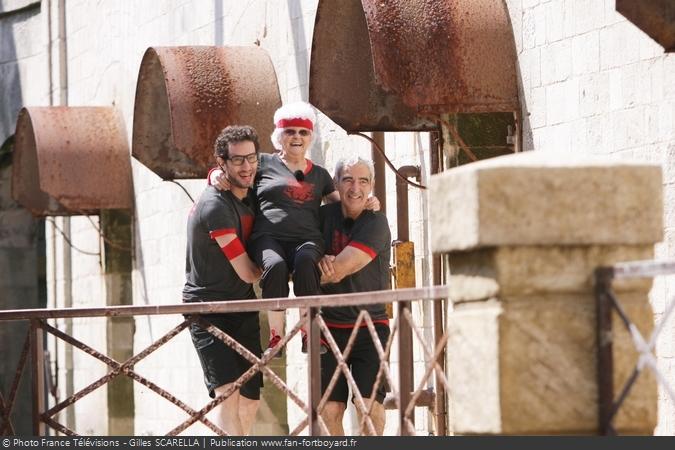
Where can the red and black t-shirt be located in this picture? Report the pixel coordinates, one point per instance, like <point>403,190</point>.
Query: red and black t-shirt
<point>369,233</point>
<point>289,204</point>
<point>208,273</point>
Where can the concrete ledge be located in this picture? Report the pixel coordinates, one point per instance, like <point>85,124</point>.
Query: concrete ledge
<point>546,198</point>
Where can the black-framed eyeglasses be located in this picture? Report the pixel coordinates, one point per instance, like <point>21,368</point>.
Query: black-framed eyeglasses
<point>302,132</point>
<point>238,160</point>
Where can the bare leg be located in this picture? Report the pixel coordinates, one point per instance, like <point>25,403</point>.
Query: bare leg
<point>247,411</point>
<point>376,415</point>
<point>227,412</point>
<point>332,414</point>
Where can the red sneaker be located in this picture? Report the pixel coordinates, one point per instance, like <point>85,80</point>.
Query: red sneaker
<point>274,340</point>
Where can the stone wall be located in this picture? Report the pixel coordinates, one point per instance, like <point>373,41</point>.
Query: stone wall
<point>593,83</point>
<point>590,82</point>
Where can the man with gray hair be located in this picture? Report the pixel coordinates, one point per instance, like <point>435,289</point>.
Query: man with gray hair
<point>358,245</point>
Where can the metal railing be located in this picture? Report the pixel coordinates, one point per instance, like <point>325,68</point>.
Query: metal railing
<point>607,303</point>
<point>405,395</point>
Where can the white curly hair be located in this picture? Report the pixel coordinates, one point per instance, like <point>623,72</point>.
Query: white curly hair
<point>351,161</point>
<point>295,110</point>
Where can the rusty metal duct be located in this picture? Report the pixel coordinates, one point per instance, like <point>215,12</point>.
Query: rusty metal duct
<point>654,17</point>
<point>384,66</point>
<point>71,161</point>
<point>186,95</point>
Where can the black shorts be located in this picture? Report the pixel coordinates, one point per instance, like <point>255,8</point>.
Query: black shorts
<point>363,362</point>
<point>222,364</point>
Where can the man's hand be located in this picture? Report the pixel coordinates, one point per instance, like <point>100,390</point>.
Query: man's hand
<point>373,203</point>
<point>218,179</point>
<point>327,269</point>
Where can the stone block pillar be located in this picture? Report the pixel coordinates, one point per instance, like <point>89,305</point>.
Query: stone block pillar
<point>521,236</point>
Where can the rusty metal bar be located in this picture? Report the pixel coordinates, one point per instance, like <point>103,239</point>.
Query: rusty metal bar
<point>405,367</point>
<point>374,144</point>
<point>379,165</point>
<point>404,263</point>
<point>622,397</point>
<point>313,371</point>
<point>384,366</point>
<point>166,395</point>
<point>383,354</point>
<point>440,406</point>
<point>241,380</point>
<point>37,361</point>
<point>458,139</point>
<point>125,369</point>
<point>59,427</point>
<point>7,407</point>
<point>91,387</point>
<point>259,364</point>
<point>402,224</point>
<point>603,280</point>
<point>7,423</point>
<point>229,306</point>
<point>402,219</point>
<point>638,269</point>
<point>619,309</point>
<point>344,368</point>
<point>432,367</point>
<point>426,399</point>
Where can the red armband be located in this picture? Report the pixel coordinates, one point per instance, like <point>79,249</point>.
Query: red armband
<point>233,249</point>
<point>364,248</point>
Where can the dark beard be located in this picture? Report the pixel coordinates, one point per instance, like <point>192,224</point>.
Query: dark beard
<point>236,183</point>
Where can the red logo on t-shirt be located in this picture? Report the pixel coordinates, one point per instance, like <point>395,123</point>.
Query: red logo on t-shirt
<point>299,191</point>
<point>340,241</point>
<point>246,226</point>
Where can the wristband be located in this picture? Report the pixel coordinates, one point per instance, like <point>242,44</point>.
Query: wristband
<point>233,249</point>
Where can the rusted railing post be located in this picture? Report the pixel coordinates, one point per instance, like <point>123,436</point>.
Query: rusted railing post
<point>37,367</point>
<point>405,367</point>
<point>603,280</point>
<point>313,371</point>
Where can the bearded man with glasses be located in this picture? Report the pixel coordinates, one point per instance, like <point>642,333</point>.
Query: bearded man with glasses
<point>218,268</point>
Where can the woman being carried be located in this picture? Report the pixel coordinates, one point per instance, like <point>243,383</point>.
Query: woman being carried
<point>289,189</point>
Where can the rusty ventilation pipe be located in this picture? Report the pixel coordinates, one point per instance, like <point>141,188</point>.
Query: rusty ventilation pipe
<point>379,166</point>
<point>654,17</point>
<point>71,161</point>
<point>185,96</point>
<point>402,214</point>
<point>371,68</point>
